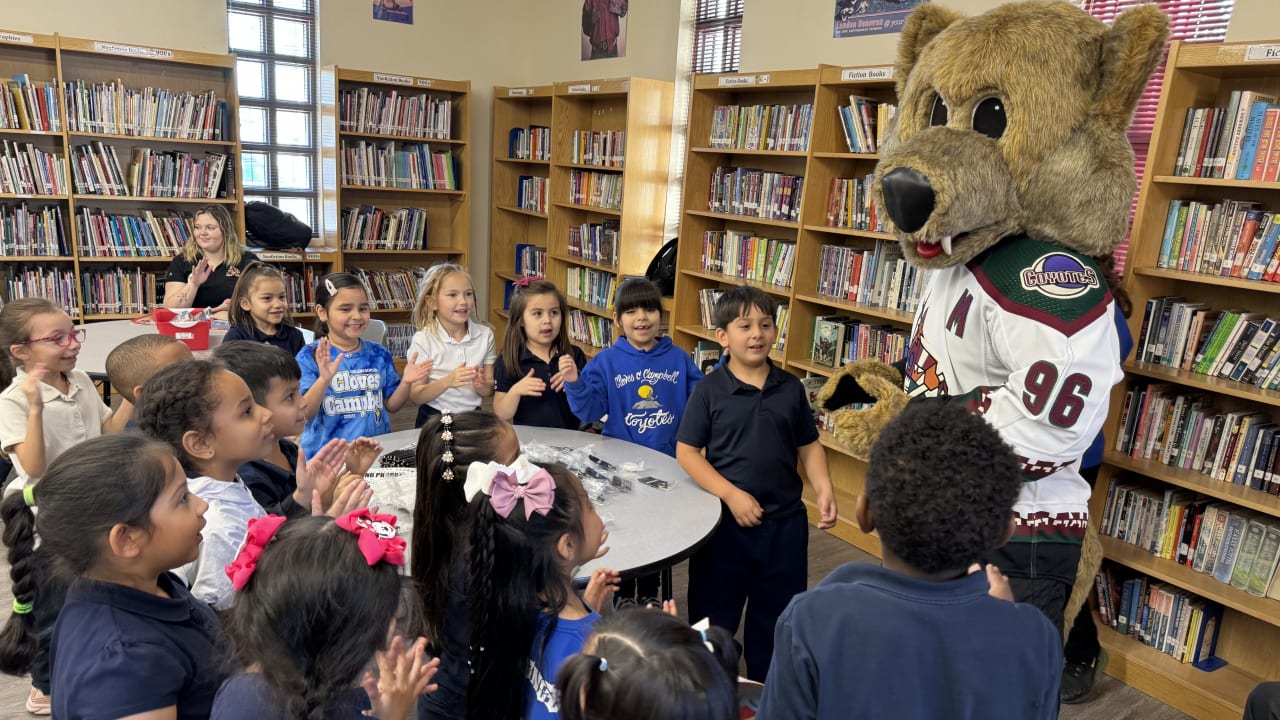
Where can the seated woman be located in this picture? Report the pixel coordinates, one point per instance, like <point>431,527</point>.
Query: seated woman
<point>205,272</point>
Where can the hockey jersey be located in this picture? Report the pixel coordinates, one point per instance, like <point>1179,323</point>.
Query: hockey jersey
<point>1024,335</point>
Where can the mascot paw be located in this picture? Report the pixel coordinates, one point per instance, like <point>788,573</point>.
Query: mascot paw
<point>864,382</point>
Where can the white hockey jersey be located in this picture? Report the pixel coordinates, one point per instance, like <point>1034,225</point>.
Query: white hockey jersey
<point>1024,334</point>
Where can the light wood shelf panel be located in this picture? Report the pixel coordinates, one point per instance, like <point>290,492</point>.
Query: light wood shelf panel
<point>874,311</point>
<point>522,211</point>
<point>588,208</point>
<point>574,260</point>
<point>1192,480</point>
<point>399,138</point>
<point>1203,279</point>
<point>799,154</point>
<point>779,290</point>
<point>743,218</point>
<point>851,232</point>
<point>1204,382</point>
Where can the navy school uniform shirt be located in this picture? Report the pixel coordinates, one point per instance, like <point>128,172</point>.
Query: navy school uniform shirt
<point>869,642</point>
<point>753,435</point>
<point>552,408</point>
<point>642,391</point>
<point>354,403</point>
<point>246,696</point>
<point>287,337</point>
<point>118,651</point>
<point>222,279</point>
<point>273,486</point>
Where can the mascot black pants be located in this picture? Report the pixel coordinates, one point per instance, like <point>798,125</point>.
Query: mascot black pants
<point>1040,574</point>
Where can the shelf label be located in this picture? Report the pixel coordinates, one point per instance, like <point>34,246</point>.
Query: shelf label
<point>425,82</point>
<point>133,50</point>
<point>1261,53</point>
<point>736,81</point>
<point>16,38</point>
<point>519,92</point>
<point>582,89</point>
<point>313,256</point>
<point>764,79</point>
<point>874,73</point>
<point>396,79</point>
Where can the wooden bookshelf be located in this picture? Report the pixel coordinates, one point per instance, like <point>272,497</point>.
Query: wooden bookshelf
<point>1198,75</point>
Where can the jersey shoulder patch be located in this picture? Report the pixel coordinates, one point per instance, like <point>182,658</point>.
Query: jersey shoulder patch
<point>1044,282</point>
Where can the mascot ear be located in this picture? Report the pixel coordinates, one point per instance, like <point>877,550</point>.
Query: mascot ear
<point>923,24</point>
<point>1131,48</point>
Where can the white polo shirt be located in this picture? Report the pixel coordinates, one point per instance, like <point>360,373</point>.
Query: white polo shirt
<point>475,348</point>
<point>69,419</point>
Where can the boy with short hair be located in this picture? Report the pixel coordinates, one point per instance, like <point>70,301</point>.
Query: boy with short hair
<point>273,377</point>
<point>754,421</point>
<point>927,635</point>
<point>132,363</point>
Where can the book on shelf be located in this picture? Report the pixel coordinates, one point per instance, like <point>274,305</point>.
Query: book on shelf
<point>25,169</point>
<point>531,193</point>
<point>391,289</point>
<point>880,277</point>
<point>849,205</point>
<point>706,355</point>
<point>839,340</point>
<point>394,112</point>
<point>143,234</point>
<point>597,189</point>
<point>531,143</point>
<point>828,334</point>
<point>25,105</point>
<point>863,121</point>
<point>594,287</point>
<point>394,164</point>
<point>751,192</point>
<point>26,230</point>
<point>531,260</point>
<point>1231,344</point>
<point>1228,238</point>
<point>595,242</point>
<point>111,108</point>
<point>119,290</point>
<point>605,148</point>
<point>590,329</point>
<point>707,298</point>
<point>1234,142</point>
<point>782,128</point>
<point>367,227</point>
<point>748,256</point>
<point>1164,617</point>
<point>42,281</point>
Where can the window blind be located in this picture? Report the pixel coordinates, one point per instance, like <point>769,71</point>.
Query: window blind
<point>717,45</point>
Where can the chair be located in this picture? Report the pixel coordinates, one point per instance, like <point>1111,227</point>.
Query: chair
<point>375,331</point>
<point>307,335</point>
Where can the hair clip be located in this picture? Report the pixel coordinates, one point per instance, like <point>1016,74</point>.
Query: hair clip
<point>377,533</point>
<point>328,285</point>
<point>261,531</point>
<point>446,435</point>
<point>22,608</point>
<point>506,486</point>
<point>604,665</point>
<point>524,281</point>
<point>29,495</point>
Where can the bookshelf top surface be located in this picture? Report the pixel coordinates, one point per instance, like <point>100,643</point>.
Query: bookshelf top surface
<point>603,86</point>
<point>523,92</point>
<point>143,52</point>
<point>758,81</point>
<point>350,76</point>
<point>28,39</point>
<point>1238,59</point>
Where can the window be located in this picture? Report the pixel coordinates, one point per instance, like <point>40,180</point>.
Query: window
<point>275,45</point>
<point>1189,21</point>
<point>717,44</point>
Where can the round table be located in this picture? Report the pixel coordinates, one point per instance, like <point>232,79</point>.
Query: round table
<point>649,529</point>
<point>100,338</point>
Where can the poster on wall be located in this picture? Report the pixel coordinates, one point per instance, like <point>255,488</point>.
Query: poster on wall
<point>604,29</point>
<point>397,11</point>
<point>871,17</point>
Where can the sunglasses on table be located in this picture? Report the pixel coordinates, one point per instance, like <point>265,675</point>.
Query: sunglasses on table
<point>59,339</point>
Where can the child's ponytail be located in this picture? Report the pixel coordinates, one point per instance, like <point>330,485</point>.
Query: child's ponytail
<point>18,638</point>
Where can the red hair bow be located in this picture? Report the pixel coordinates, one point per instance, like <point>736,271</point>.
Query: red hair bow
<point>261,531</point>
<point>377,533</point>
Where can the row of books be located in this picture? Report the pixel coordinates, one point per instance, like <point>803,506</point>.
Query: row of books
<point>747,256</point>
<point>606,148</point>
<point>371,228</point>
<point>363,110</point>
<point>595,242</point>
<point>1231,344</point>
<point>398,339</point>
<point>849,205</point>
<point>587,187</point>
<point>25,105</point>
<point>590,329</point>
<point>150,112</point>
<point>880,277</point>
<point>1230,238</point>
<point>414,166</point>
<point>755,193</point>
<point>1185,431</point>
<point>113,291</point>
<point>168,174</point>
<point>1237,547</point>
<point>42,281</point>
<point>864,121</point>
<point>531,143</point>
<point>298,289</point>
<point>144,234</point>
<point>1236,142</point>
<point>531,260</point>
<point>32,231</point>
<point>27,170</point>
<point>706,355</point>
<point>594,287</point>
<point>391,289</point>
<point>1175,622</point>
<point>707,298</point>
<point>531,193</point>
<point>784,128</point>
<point>838,340</point>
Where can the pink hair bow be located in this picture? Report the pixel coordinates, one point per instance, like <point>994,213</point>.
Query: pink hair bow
<point>538,494</point>
<point>377,533</point>
<point>260,532</point>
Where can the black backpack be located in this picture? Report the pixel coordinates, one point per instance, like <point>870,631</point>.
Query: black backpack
<point>662,269</point>
<point>271,228</point>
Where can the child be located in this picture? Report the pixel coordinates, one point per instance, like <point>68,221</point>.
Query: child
<point>116,513</point>
<point>753,420</point>
<point>350,385</point>
<point>459,346</point>
<point>527,378</point>
<point>131,363</point>
<point>440,534</point>
<point>527,536</point>
<point>260,312</point>
<point>922,634</point>
<point>273,376</point>
<point>317,600</point>
<point>643,663</point>
<point>47,405</point>
<point>642,382</point>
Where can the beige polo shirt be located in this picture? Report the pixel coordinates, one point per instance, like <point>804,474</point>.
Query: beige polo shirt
<point>68,419</point>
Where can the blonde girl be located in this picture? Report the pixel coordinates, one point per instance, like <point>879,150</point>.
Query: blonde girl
<point>260,310</point>
<point>528,382</point>
<point>204,274</point>
<point>460,346</point>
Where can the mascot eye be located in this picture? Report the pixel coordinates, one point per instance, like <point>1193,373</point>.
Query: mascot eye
<point>938,116</point>
<point>989,118</point>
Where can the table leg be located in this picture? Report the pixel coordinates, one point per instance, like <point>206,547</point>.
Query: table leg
<point>665,592</point>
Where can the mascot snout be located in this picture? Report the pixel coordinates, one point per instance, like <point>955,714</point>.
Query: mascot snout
<point>908,198</point>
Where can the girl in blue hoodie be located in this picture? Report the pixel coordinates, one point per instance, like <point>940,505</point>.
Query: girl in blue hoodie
<point>642,382</point>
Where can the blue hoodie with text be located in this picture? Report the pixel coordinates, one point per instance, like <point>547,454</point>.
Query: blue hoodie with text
<point>642,391</point>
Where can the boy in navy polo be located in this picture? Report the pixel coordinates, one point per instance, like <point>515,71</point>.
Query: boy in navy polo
<point>753,420</point>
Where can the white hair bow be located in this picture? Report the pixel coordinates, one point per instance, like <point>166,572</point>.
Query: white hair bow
<point>480,475</point>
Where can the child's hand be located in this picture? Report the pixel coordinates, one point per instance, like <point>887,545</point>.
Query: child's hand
<point>998,583</point>
<point>31,385</point>
<point>568,372</point>
<point>361,455</point>
<point>320,473</point>
<point>326,366</point>
<point>600,588</point>
<point>416,372</point>
<point>826,510</point>
<point>529,386</point>
<point>462,376</point>
<point>353,496</point>
<point>744,507</point>
<point>402,677</point>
